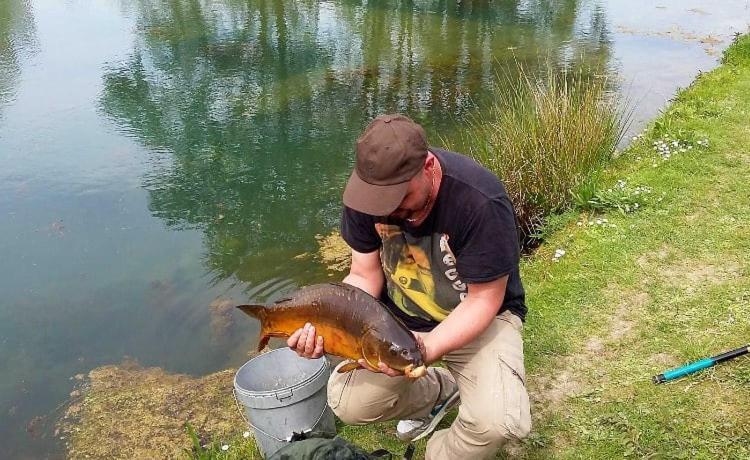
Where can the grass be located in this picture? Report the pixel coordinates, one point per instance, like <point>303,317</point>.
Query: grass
<point>546,137</point>
<point>667,284</point>
<point>238,448</point>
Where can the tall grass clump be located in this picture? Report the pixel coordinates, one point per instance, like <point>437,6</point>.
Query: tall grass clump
<point>546,137</point>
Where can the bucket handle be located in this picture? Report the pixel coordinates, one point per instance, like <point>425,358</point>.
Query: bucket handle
<point>289,438</point>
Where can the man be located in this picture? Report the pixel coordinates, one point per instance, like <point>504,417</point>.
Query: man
<point>433,234</point>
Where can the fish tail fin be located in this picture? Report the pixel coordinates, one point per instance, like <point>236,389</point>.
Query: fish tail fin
<point>258,312</point>
<point>348,367</point>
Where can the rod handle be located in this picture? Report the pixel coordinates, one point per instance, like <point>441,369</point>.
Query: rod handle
<point>684,370</point>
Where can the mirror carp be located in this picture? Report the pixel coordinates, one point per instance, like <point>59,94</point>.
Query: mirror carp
<point>353,324</point>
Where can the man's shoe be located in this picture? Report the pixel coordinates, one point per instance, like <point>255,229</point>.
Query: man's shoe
<point>413,430</point>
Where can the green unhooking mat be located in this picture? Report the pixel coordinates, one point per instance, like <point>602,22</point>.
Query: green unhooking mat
<point>325,448</point>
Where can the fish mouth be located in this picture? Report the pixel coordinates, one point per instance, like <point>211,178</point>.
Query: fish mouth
<point>415,372</point>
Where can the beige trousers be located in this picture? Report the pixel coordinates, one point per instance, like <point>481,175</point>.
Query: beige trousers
<point>490,376</point>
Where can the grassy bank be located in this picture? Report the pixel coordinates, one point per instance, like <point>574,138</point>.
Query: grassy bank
<point>651,290</point>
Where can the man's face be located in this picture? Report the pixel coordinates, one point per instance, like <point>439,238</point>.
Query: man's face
<point>416,198</point>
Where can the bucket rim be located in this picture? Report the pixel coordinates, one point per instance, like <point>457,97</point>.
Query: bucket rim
<point>323,368</point>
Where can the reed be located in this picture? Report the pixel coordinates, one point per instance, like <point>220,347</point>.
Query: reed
<point>546,137</point>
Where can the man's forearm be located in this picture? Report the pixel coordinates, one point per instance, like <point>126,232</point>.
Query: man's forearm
<point>465,323</point>
<point>468,320</point>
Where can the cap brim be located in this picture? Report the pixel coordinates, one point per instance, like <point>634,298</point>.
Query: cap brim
<point>375,200</point>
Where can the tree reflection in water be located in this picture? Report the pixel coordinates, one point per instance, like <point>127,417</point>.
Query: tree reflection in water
<point>251,108</point>
<point>17,40</point>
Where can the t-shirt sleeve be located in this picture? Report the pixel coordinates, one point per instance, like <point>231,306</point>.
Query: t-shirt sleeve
<point>358,230</point>
<point>490,246</point>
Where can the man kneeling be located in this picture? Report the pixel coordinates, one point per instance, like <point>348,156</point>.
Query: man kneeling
<point>433,235</point>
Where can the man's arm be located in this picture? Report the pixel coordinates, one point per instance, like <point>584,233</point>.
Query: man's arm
<point>366,274</point>
<point>465,323</point>
<point>468,320</point>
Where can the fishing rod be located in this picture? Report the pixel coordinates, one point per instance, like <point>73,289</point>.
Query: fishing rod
<point>700,365</point>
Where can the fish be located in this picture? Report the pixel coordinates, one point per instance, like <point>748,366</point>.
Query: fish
<point>353,324</point>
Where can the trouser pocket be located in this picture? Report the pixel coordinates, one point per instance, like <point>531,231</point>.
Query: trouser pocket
<point>337,384</point>
<point>517,416</point>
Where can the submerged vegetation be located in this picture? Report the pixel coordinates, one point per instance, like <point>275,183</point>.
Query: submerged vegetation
<point>128,411</point>
<point>546,137</point>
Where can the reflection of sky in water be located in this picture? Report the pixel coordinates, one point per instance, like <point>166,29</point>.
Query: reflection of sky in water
<point>148,169</point>
<point>57,102</point>
<point>657,46</point>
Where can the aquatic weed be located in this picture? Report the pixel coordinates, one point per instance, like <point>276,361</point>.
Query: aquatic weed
<point>546,136</point>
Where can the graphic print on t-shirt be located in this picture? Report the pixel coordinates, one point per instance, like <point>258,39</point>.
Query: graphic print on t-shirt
<point>420,272</point>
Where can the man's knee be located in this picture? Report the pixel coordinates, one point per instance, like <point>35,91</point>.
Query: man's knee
<point>355,411</point>
<point>348,416</point>
<point>351,403</point>
<point>496,430</point>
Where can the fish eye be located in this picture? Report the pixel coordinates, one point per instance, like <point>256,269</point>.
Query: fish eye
<point>404,353</point>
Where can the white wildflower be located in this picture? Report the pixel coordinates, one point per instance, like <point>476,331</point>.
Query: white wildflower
<point>225,447</point>
<point>246,434</point>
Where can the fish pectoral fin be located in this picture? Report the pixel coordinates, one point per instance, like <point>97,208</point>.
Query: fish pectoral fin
<point>370,351</point>
<point>263,342</point>
<point>348,367</point>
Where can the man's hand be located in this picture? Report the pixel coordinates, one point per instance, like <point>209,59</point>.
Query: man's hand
<point>382,367</point>
<point>306,343</point>
<point>389,371</point>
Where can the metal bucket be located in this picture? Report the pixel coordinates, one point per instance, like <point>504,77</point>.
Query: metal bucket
<point>282,394</point>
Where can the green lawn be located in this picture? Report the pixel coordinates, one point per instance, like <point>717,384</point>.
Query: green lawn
<point>667,284</point>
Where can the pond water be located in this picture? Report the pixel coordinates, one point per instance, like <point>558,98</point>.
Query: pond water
<point>160,160</point>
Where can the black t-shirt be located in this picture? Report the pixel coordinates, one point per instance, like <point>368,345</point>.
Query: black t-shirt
<point>470,236</point>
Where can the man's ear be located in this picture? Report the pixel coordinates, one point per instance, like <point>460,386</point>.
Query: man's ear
<point>429,163</point>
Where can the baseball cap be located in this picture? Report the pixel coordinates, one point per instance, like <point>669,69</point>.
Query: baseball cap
<point>390,151</point>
